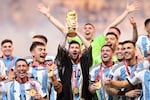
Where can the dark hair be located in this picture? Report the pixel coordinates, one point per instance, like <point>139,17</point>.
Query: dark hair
<point>129,41</point>
<point>21,59</point>
<point>112,33</point>
<point>106,45</point>
<point>113,27</point>
<point>5,41</point>
<point>41,37</point>
<point>89,24</point>
<point>35,44</point>
<point>120,43</point>
<point>73,42</point>
<point>147,21</point>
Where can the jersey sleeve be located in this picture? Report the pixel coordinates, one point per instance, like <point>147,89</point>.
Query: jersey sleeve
<point>115,71</point>
<point>2,68</point>
<point>138,43</point>
<point>136,79</point>
<point>93,73</point>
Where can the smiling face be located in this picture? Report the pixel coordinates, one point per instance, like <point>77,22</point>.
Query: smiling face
<point>21,69</point>
<point>7,49</point>
<point>112,40</point>
<point>119,52</point>
<point>38,51</point>
<point>39,54</point>
<point>88,31</point>
<point>129,51</point>
<point>106,54</point>
<point>74,51</point>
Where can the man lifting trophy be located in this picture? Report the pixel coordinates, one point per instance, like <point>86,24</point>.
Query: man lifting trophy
<point>71,23</point>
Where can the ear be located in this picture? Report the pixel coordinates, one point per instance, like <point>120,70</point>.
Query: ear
<point>32,53</point>
<point>28,68</point>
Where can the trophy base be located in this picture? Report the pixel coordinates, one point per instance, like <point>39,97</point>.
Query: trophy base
<point>71,34</point>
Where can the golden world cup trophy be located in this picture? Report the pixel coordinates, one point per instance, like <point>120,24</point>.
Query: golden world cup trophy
<point>71,23</point>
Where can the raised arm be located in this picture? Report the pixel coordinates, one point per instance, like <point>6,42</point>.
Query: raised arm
<point>64,41</point>
<point>84,41</point>
<point>129,8</point>
<point>46,11</point>
<point>135,32</point>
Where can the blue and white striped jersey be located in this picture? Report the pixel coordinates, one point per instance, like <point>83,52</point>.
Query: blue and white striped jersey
<point>142,76</point>
<point>93,77</point>
<point>17,91</point>
<point>143,44</point>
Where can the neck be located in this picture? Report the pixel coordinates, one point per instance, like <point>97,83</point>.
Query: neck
<point>90,41</point>
<point>131,61</point>
<point>107,64</point>
<point>76,61</point>
<point>22,80</point>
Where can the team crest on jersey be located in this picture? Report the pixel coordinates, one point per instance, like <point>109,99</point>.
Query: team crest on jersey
<point>111,76</point>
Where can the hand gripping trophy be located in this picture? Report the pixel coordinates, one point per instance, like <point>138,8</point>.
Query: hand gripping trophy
<point>71,23</point>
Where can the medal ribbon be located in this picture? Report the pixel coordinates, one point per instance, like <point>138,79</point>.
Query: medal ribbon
<point>101,71</point>
<point>127,69</point>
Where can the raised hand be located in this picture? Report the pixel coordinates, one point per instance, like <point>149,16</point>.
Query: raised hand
<point>132,21</point>
<point>11,75</point>
<point>134,6</point>
<point>43,9</point>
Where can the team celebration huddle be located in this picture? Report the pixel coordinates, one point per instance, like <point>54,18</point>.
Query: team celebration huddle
<point>86,67</point>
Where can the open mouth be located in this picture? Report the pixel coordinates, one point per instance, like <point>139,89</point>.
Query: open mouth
<point>119,54</point>
<point>127,54</point>
<point>22,73</point>
<point>42,56</point>
<point>108,43</point>
<point>105,56</point>
<point>75,53</point>
<point>87,33</point>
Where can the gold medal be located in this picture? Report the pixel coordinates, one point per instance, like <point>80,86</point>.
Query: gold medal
<point>50,74</point>
<point>98,84</point>
<point>75,90</point>
<point>32,92</point>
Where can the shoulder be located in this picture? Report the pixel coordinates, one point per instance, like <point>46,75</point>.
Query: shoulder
<point>29,59</point>
<point>142,36</point>
<point>117,66</point>
<point>6,83</point>
<point>2,61</point>
<point>94,68</point>
<point>142,70</point>
<point>48,57</point>
<point>34,82</point>
<point>101,38</point>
